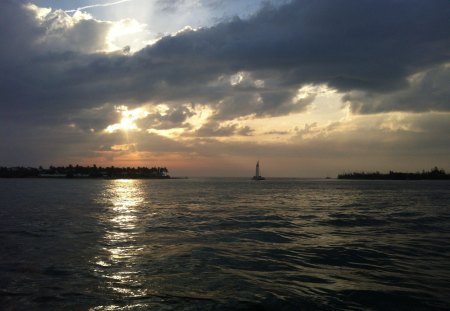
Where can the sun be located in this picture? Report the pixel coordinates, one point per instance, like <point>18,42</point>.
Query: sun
<point>127,124</point>
<point>126,32</point>
<point>128,119</point>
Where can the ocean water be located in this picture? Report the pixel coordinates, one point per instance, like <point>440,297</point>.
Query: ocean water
<point>224,244</point>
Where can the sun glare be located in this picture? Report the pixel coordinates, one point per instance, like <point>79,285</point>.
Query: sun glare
<point>128,119</point>
<point>125,32</point>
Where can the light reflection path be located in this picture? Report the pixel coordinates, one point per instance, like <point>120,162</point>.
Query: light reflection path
<point>118,263</point>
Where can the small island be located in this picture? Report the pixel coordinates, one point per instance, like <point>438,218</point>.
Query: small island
<point>433,174</point>
<point>80,172</point>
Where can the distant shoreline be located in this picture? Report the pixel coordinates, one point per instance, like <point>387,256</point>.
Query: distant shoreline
<point>85,172</point>
<point>433,174</point>
<point>101,178</point>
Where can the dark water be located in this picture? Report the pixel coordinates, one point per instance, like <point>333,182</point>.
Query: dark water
<point>224,244</point>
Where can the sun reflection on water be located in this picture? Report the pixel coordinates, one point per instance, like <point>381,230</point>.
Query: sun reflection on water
<point>126,194</point>
<point>124,200</point>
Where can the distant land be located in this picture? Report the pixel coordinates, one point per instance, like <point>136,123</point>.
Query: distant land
<point>433,174</point>
<point>78,171</point>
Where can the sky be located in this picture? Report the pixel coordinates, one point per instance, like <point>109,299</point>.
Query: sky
<point>310,88</point>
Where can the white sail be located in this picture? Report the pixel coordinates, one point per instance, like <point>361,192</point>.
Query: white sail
<point>257,174</point>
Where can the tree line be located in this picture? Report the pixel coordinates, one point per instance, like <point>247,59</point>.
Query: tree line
<point>434,173</point>
<point>78,171</point>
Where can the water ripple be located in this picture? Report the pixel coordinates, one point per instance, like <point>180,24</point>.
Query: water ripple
<point>225,244</point>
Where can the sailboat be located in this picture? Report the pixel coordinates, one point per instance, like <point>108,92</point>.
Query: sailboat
<point>257,176</point>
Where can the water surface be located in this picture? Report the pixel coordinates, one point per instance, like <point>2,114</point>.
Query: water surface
<point>224,244</point>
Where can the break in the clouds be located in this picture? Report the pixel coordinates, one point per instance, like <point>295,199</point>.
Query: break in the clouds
<point>289,64</point>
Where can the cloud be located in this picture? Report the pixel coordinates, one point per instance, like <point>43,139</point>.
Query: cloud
<point>172,6</point>
<point>349,45</point>
<point>383,56</point>
<point>77,33</point>
<point>215,129</point>
<point>276,133</point>
<point>417,141</point>
<point>425,91</point>
<point>167,116</point>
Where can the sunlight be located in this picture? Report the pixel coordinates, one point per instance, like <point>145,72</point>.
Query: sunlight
<point>39,12</point>
<point>126,194</point>
<point>124,147</point>
<point>170,133</point>
<point>124,33</point>
<point>127,121</point>
<point>201,114</point>
<point>237,78</point>
<point>162,109</point>
<point>325,110</point>
<point>124,199</point>
<point>245,78</point>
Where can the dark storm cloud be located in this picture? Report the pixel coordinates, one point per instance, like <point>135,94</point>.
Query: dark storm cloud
<point>370,46</point>
<point>17,33</point>
<point>349,44</point>
<point>96,119</point>
<point>428,90</point>
<point>367,46</point>
<point>261,103</point>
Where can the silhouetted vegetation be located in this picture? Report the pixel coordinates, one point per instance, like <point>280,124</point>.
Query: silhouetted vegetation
<point>433,174</point>
<point>78,171</point>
